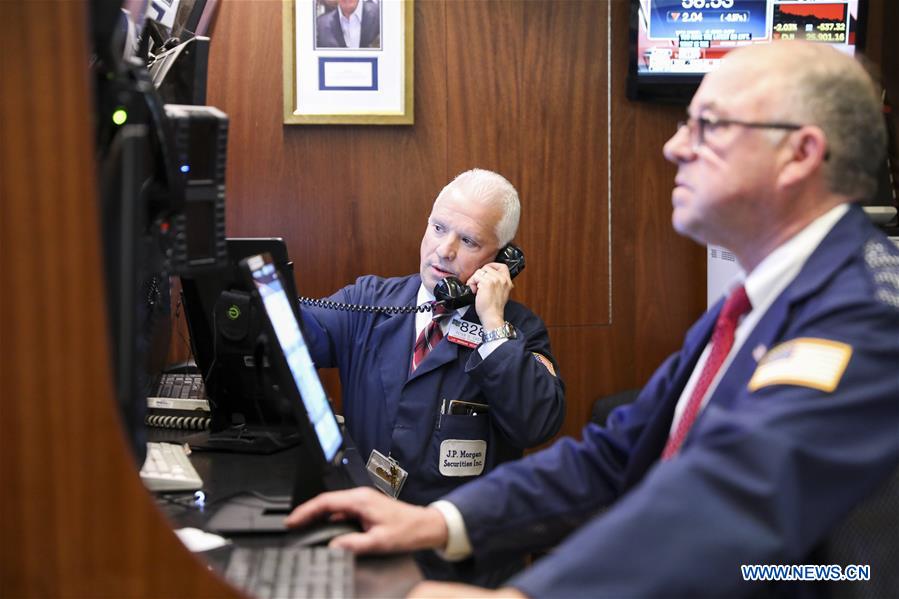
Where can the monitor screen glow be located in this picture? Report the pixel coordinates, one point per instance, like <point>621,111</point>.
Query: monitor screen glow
<point>293,346</point>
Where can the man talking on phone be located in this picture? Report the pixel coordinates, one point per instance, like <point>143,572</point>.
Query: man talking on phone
<point>435,399</point>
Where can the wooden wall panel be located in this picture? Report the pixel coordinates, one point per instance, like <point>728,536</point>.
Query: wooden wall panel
<point>564,126</point>
<point>76,521</point>
<point>484,55</point>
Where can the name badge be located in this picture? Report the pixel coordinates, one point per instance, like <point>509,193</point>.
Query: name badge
<point>462,457</point>
<point>462,332</point>
<point>386,473</point>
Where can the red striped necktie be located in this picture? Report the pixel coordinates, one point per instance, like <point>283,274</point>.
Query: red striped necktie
<point>722,341</point>
<point>430,336</point>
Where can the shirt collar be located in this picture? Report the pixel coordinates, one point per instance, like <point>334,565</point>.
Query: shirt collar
<point>356,14</point>
<point>781,266</point>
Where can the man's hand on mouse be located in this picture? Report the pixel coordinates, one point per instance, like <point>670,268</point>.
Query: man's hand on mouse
<point>389,525</point>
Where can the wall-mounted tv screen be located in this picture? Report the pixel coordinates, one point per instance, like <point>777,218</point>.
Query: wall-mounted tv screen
<point>673,43</point>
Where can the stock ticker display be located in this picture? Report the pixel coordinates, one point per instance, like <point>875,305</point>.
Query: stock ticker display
<point>812,22</point>
<point>691,36</point>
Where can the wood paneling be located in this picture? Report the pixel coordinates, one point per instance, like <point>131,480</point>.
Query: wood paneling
<point>564,129</point>
<point>76,521</point>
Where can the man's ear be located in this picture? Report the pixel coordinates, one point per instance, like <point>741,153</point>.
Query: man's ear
<point>805,152</point>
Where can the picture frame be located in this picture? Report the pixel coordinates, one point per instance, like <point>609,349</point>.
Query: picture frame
<point>371,82</point>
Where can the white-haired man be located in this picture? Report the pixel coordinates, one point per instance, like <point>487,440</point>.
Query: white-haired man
<point>778,416</point>
<point>404,377</point>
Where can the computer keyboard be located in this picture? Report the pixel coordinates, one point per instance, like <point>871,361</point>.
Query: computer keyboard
<point>292,572</point>
<point>184,391</point>
<point>167,468</point>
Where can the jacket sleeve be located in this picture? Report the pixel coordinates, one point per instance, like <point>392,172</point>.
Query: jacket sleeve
<point>527,401</point>
<point>760,482</point>
<point>327,331</point>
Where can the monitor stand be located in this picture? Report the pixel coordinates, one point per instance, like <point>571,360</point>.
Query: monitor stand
<point>245,439</point>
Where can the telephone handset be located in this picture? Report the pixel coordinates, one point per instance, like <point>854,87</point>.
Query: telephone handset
<point>449,291</point>
<point>453,294</point>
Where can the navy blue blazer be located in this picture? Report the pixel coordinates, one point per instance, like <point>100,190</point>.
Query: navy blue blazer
<point>328,33</point>
<point>398,414</point>
<point>763,476</point>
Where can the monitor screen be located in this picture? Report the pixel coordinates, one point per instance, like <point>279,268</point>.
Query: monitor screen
<point>675,42</point>
<point>293,347</point>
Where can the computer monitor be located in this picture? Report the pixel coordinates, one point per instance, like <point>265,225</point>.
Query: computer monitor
<point>224,321</point>
<point>327,459</point>
<point>673,43</point>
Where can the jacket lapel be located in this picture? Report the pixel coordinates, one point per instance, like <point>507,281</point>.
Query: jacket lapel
<point>446,351</point>
<point>649,446</point>
<point>370,25</point>
<point>336,30</point>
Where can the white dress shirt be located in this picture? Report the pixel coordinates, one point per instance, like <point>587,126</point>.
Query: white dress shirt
<point>352,26</point>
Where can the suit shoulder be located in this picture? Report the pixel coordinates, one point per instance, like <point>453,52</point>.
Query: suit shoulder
<point>881,264</point>
<point>386,286</point>
<point>869,277</point>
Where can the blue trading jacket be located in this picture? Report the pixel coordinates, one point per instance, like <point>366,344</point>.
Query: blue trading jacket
<point>763,477</point>
<point>398,414</point>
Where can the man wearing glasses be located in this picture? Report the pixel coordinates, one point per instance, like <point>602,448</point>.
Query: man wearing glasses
<point>780,414</point>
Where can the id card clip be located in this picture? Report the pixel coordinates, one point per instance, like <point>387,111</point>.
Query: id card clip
<point>386,473</point>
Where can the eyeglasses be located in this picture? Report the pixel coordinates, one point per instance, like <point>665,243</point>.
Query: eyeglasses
<point>698,126</point>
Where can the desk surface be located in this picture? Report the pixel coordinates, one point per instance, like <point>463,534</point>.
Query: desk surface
<point>226,474</point>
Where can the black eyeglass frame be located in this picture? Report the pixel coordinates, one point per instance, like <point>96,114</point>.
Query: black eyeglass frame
<point>698,139</point>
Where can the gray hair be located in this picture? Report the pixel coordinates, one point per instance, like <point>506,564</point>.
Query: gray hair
<point>839,97</point>
<point>489,188</point>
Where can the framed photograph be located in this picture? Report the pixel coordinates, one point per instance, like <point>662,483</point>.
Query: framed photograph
<point>348,62</point>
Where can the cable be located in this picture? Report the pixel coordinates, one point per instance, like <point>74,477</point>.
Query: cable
<point>332,305</point>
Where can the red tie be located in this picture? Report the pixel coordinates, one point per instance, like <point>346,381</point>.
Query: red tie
<point>429,337</point>
<point>722,340</point>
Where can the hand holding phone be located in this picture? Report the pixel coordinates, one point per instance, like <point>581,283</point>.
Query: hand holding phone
<point>454,294</point>
<point>491,285</point>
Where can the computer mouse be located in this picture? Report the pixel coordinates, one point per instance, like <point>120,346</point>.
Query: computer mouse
<point>321,532</point>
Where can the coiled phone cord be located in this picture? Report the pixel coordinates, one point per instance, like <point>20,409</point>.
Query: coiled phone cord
<point>332,305</point>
